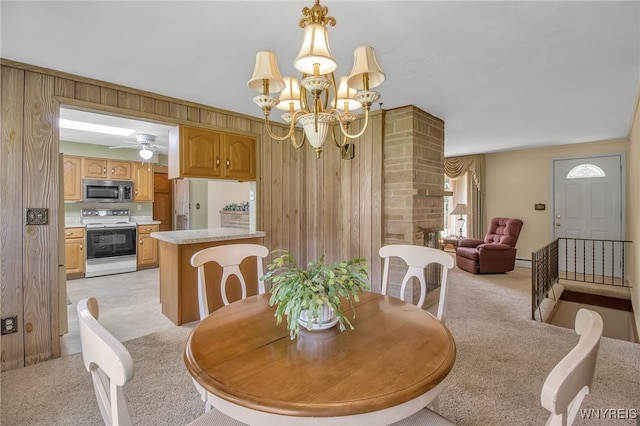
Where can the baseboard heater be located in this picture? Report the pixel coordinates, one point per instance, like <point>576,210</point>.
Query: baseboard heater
<point>523,263</point>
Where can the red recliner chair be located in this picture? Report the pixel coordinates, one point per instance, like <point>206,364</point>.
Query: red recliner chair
<point>496,253</point>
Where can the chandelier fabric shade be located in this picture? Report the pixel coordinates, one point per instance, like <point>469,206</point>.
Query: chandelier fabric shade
<point>365,65</point>
<point>290,95</point>
<point>315,101</point>
<point>315,51</point>
<point>346,100</point>
<point>266,69</point>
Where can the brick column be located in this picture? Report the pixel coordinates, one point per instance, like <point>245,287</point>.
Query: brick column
<point>413,183</point>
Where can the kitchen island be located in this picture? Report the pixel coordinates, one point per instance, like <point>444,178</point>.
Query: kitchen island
<point>179,280</point>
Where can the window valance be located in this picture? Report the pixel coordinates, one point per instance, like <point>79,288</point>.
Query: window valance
<point>454,167</point>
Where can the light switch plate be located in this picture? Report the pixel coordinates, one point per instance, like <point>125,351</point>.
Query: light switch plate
<point>36,216</point>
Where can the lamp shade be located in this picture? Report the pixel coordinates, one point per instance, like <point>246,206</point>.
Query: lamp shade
<point>345,96</point>
<point>315,50</point>
<point>365,62</point>
<point>145,153</point>
<point>460,209</point>
<point>266,68</point>
<point>290,94</point>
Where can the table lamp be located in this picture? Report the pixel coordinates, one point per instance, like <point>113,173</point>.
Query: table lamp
<point>460,210</point>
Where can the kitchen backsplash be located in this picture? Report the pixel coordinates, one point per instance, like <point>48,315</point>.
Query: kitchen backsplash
<point>72,210</point>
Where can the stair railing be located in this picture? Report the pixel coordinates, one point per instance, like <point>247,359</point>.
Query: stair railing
<point>576,259</point>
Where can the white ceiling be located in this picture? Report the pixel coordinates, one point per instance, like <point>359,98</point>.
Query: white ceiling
<point>160,131</point>
<point>502,75</point>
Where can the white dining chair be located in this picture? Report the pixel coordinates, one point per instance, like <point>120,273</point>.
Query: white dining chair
<point>111,368</point>
<point>109,363</point>
<point>417,259</point>
<point>572,378</point>
<point>229,258</point>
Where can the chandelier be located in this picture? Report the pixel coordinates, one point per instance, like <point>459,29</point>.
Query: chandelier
<point>318,103</point>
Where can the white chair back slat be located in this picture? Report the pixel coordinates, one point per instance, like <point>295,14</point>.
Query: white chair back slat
<point>572,378</point>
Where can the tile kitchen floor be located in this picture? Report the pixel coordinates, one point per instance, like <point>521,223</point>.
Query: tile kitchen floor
<point>129,306</point>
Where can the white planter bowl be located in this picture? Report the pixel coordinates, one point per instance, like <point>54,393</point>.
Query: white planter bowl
<point>323,322</point>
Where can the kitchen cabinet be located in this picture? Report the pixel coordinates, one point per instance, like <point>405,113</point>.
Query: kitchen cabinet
<point>101,168</point>
<point>74,252</point>
<point>72,178</point>
<point>142,181</point>
<point>239,154</point>
<point>203,153</point>
<point>147,246</point>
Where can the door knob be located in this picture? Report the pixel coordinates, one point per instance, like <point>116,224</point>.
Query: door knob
<point>557,223</point>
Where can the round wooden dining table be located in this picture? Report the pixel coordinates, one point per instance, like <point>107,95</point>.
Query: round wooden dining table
<point>392,364</point>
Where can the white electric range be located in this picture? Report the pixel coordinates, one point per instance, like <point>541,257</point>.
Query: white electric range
<point>110,242</point>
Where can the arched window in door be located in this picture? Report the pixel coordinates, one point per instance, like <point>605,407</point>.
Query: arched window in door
<point>586,170</point>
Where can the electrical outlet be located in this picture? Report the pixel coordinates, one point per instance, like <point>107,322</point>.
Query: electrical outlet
<point>9,325</point>
<point>139,207</point>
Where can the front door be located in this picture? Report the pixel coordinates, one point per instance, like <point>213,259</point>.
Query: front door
<point>588,204</point>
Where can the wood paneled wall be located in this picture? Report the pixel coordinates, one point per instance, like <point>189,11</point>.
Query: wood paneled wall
<point>306,205</point>
<point>11,231</point>
<point>344,200</point>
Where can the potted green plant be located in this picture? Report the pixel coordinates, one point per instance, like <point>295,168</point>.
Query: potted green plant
<point>307,296</point>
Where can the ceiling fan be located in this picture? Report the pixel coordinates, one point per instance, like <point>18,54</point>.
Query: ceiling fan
<point>145,142</point>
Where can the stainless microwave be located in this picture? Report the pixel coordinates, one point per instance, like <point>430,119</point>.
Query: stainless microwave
<point>107,191</point>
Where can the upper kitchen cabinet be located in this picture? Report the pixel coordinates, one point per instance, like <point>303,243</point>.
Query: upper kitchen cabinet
<point>142,181</point>
<point>100,168</point>
<point>72,167</point>
<point>196,155</point>
<point>239,153</point>
<point>202,153</point>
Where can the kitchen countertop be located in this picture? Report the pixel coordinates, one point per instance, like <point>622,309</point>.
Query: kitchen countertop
<point>145,221</point>
<point>193,236</point>
<point>71,224</point>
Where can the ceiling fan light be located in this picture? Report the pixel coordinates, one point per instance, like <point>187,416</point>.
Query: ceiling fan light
<point>145,153</point>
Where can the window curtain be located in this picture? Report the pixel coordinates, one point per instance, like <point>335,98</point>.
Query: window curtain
<point>473,167</point>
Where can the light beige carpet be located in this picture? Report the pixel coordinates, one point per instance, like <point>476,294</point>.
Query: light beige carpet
<point>502,361</point>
